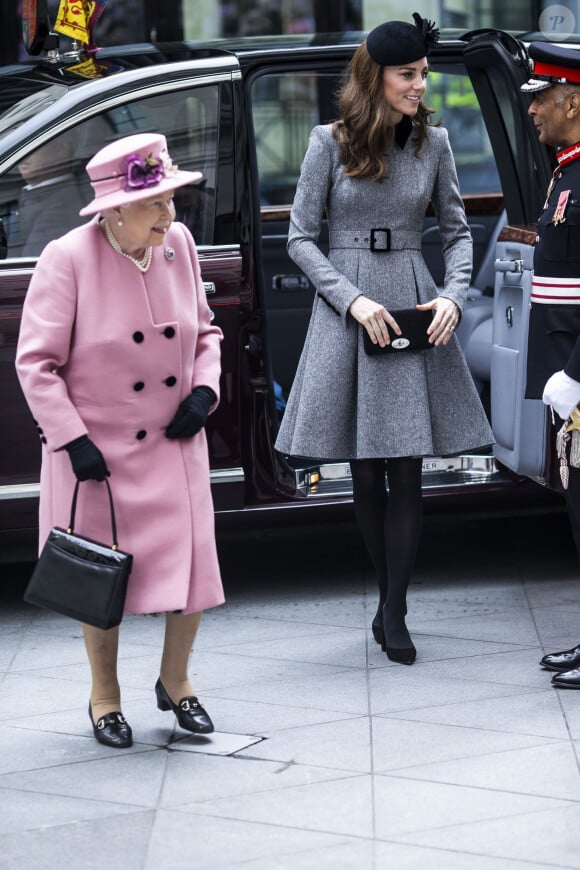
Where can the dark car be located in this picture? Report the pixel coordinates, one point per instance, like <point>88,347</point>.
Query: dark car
<point>241,114</point>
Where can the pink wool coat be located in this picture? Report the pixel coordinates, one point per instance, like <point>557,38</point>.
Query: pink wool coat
<point>109,352</point>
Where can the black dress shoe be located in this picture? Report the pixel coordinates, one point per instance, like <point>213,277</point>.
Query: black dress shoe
<point>562,661</point>
<point>567,679</point>
<point>402,655</point>
<point>190,714</point>
<point>377,627</point>
<point>112,729</point>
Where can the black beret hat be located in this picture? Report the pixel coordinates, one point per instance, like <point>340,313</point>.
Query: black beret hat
<point>397,42</point>
<point>552,65</point>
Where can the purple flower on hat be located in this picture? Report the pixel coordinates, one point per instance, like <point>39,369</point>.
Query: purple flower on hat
<point>142,173</point>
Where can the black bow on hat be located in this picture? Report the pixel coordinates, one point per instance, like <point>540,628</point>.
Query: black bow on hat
<point>397,42</point>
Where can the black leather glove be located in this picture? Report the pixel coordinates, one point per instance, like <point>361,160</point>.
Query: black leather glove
<point>88,463</point>
<point>192,414</point>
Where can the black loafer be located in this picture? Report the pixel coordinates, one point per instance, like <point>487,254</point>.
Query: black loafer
<point>567,679</point>
<point>112,730</point>
<point>189,712</point>
<point>562,661</point>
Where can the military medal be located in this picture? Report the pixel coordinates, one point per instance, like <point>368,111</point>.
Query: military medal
<point>560,213</point>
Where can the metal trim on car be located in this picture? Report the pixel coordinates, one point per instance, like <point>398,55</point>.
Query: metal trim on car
<point>71,117</point>
<point>15,491</point>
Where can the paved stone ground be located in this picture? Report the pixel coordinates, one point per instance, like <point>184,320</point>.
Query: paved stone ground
<point>326,754</point>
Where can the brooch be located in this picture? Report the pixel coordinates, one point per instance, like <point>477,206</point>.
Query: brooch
<point>169,254</point>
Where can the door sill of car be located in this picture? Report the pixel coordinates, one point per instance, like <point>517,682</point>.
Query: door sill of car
<point>334,478</point>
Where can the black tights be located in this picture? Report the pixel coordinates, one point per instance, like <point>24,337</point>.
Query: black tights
<point>391,526</point>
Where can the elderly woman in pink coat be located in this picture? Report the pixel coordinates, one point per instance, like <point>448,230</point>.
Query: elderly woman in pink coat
<point>120,366</point>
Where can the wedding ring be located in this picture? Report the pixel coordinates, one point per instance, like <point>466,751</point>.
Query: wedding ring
<point>450,328</point>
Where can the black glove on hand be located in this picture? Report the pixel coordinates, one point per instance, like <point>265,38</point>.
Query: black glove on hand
<point>192,414</point>
<point>88,463</point>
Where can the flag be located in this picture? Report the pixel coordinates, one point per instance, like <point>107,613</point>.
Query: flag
<point>73,19</point>
<point>98,9</point>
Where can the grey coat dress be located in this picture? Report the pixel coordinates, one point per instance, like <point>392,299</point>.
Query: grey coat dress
<point>344,404</point>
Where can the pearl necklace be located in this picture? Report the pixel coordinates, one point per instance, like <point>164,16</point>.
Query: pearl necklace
<point>142,264</point>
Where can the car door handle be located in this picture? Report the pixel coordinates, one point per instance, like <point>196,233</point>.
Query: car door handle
<point>509,265</point>
<point>209,287</point>
<point>290,283</point>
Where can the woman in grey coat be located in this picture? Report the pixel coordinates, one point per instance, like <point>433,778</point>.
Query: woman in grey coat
<point>374,172</point>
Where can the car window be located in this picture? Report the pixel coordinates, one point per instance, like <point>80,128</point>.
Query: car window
<point>456,107</point>
<point>285,108</point>
<point>42,194</point>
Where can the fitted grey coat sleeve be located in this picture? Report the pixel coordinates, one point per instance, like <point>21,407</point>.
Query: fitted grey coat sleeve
<point>310,201</point>
<point>455,234</point>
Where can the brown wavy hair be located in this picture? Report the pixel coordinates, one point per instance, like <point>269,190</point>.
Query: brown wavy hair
<point>366,131</point>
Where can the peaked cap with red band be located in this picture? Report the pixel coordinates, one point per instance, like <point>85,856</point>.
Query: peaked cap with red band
<point>552,65</point>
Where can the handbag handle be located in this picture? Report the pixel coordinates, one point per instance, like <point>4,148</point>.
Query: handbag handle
<point>73,510</point>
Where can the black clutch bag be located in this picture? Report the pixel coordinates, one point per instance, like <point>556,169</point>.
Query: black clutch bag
<point>413,324</point>
<point>79,577</point>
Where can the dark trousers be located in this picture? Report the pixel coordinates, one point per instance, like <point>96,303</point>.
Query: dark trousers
<point>572,495</point>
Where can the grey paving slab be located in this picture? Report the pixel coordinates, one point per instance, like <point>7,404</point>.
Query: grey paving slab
<point>546,771</point>
<point>436,647</point>
<point>561,593</point>
<point>27,750</point>
<point>337,691</point>
<point>570,702</point>
<point>134,779</point>
<point>343,745</point>
<point>396,741</point>
<point>25,811</point>
<point>456,597</point>
<point>550,837</point>
<point>341,612</point>
<point>553,623</point>
<point>389,855</point>
<point>218,743</point>
<point>431,812</point>
<point>342,806</point>
<point>222,628</point>
<point>50,693</point>
<point>36,654</point>
<point>399,689</point>
<point>263,717</point>
<point>366,764</point>
<point>364,855</point>
<point>340,648</point>
<point>515,626</point>
<point>533,713</point>
<point>518,668</point>
<point>201,778</point>
<point>217,843</point>
<point>115,842</point>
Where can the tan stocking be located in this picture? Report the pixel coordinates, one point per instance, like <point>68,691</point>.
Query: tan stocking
<point>180,631</point>
<point>101,649</point>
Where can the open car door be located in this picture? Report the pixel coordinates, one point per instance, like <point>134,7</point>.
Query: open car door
<point>497,66</point>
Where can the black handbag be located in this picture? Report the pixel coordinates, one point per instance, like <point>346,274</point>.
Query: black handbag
<point>413,323</point>
<point>79,577</point>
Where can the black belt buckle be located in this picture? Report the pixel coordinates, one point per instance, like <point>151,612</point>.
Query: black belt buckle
<point>379,248</point>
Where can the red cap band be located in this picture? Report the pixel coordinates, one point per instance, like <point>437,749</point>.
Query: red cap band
<point>558,72</point>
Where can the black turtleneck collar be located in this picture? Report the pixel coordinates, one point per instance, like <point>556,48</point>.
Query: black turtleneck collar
<point>403,131</point>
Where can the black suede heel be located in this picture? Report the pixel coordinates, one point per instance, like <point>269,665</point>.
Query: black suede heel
<point>401,655</point>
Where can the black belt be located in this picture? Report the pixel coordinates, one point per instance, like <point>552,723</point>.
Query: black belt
<point>377,239</point>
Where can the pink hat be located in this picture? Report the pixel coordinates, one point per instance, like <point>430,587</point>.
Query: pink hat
<point>134,168</point>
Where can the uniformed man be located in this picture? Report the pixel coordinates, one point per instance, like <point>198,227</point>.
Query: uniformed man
<point>554,337</point>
